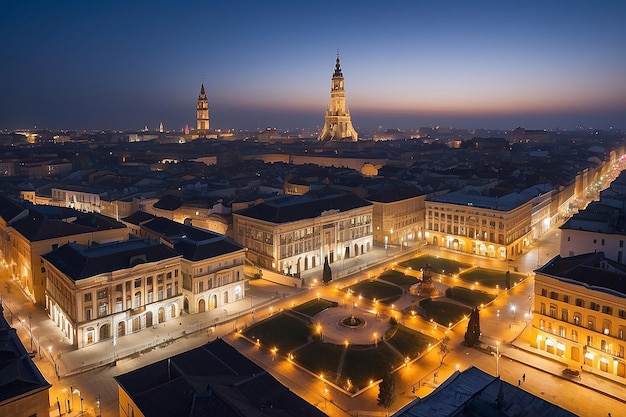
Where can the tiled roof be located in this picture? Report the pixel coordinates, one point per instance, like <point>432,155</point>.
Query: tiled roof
<point>169,202</point>
<point>9,209</point>
<point>81,261</point>
<point>294,208</point>
<point>36,227</point>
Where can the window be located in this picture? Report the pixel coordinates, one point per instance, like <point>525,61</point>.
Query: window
<point>564,315</point>
<point>88,297</point>
<point>127,285</point>
<point>118,288</point>
<point>589,340</point>
<point>554,295</point>
<point>138,283</point>
<point>544,292</point>
<point>118,304</point>
<point>160,279</point>
<point>169,290</point>
<point>577,319</point>
<point>622,314</point>
<point>575,335</point>
<point>149,281</point>
<point>621,243</point>
<point>561,331</point>
<point>160,293</point>
<point>88,314</point>
<point>102,294</point>
<point>103,309</point>
<point>137,299</point>
<point>542,308</point>
<point>168,275</point>
<point>566,298</point>
<point>150,296</point>
<point>607,310</point>
<point>553,311</point>
<point>580,302</point>
<point>200,286</point>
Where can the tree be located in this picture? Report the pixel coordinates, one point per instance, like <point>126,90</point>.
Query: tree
<point>472,333</point>
<point>327,274</point>
<point>387,390</point>
<point>444,349</point>
<point>508,280</point>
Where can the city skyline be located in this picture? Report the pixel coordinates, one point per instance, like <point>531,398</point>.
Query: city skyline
<point>406,64</point>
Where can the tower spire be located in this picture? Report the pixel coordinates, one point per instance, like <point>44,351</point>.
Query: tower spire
<point>337,122</point>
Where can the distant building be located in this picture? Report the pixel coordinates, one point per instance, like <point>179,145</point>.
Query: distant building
<point>211,380</point>
<point>24,392</point>
<point>338,123</point>
<point>202,113</point>
<point>475,393</point>
<point>580,313</point>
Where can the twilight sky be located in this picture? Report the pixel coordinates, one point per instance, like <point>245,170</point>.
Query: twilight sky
<point>121,64</point>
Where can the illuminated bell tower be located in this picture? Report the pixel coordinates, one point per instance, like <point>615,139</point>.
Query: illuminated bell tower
<point>337,122</point>
<point>202,113</point>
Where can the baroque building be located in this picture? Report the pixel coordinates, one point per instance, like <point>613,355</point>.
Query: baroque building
<point>337,123</point>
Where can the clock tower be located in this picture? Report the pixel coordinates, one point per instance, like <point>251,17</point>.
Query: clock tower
<point>337,122</point>
<point>202,113</point>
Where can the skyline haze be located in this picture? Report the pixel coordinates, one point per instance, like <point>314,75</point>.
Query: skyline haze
<point>117,65</point>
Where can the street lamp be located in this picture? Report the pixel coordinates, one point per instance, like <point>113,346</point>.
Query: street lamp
<point>325,394</point>
<point>497,359</point>
<point>98,405</point>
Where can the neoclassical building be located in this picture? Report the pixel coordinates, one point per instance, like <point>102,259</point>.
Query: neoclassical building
<point>337,122</point>
<point>291,234</point>
<point>95,292</point>
<point>580,313</point>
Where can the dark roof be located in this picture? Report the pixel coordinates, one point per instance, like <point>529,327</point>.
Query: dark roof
<point>592,270</point>
<point>475,393</point>
<point>168,202</point>
<point>9,209</point>
<point>18,374</point>
<point>138,217</point>
<point>36,227</point>
<point>98,221</point>
<point>395,194</point>
<point>82,261</point>
<point>191,242</point>
<point>212,380</point>
<point>293,208</point>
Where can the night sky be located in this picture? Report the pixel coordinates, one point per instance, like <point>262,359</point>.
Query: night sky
<point>493,64</point>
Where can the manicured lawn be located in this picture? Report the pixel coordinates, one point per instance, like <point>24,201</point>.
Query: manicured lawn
<point>409,342</point>
<point>490,277</point>
<point>385,293</point>
<point>282,331</point>
<point>437,265</point>
<point>398,278</point>
<point>312,307</point>
<point>470,297</point>
<point>320,358</point>
<point>362,365</point>
<point>443,312</point>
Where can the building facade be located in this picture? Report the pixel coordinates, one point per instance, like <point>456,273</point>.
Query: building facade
<point>295,233</point>
<point>338,122</point>
<point>579,313</point>
<point>98,292</point>
<point>488,226</point>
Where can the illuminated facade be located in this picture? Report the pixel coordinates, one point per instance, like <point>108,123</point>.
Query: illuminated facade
<point>338,123</point>
<point>488,226</point>
<point>295,233</point>
<point>97,292</point>
<point>580,313</point>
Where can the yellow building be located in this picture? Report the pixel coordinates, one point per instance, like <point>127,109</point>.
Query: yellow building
<point>398,216</point>
<point>27,234</point>
<point>580,313</point>
<point>488,226</point>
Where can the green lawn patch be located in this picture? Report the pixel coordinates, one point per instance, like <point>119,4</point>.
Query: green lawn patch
<point>312,307</point>
<point>385,293</point>
<point>409,342</point>
<point>398,278</point>
<point>472,298</point>
<point>490,277</point>
<point>362,365</point>
<point>282,331</point>
<point>437,264</point>
<point>443,312</point>
<point>320,358</point>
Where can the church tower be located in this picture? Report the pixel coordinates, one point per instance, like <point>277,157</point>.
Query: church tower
<point>337,123</point>
<point>202,113</point>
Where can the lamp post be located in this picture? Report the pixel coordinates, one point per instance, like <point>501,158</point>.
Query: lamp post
<point>497,359</point>
<point>98,405</point>
<point>325,394</point>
